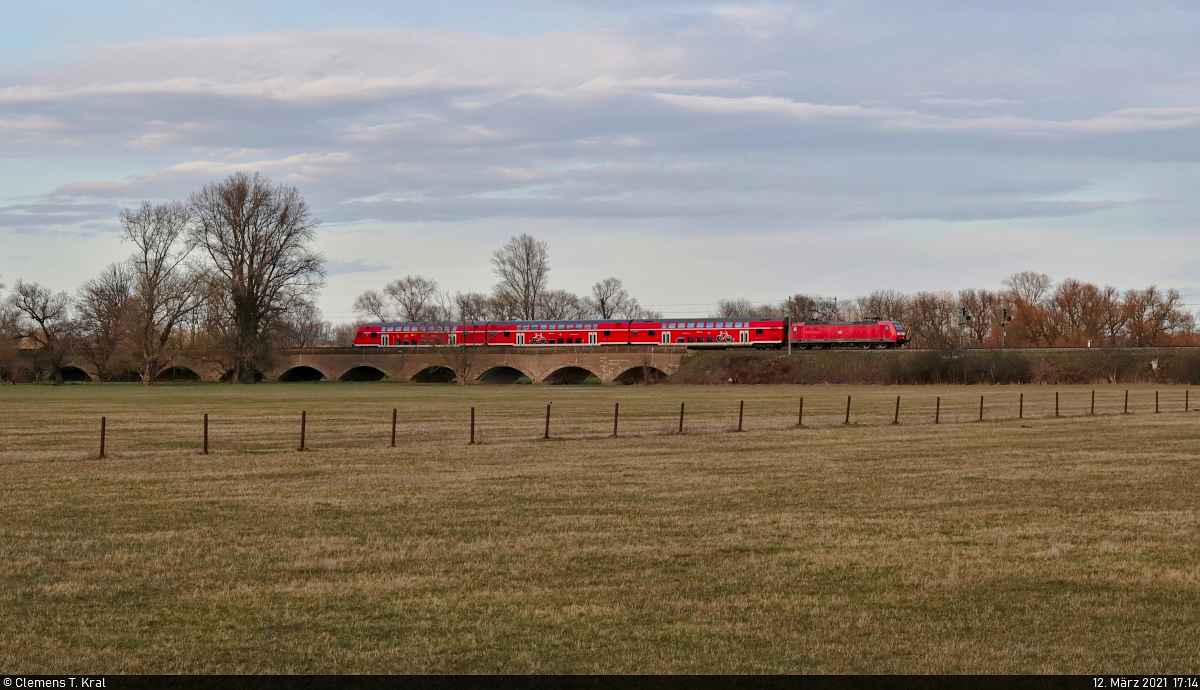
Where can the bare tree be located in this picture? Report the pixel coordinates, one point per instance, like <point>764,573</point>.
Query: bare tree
<point>560,304</point>
<point>103,315</point>
<point>9,320</point>
<point>49,315</point>
<point>632,310</point>
<point>981,307</point>
<point>1149,314</point>
<point>256,237</point>
<point>304,327</point>
<point>471,306</point>
<point>416,297</point>
<point>523,267</point>
<point>930,319</point>
<point>373,304</point>
<point>741,307</point>
<point>164,290</point>
<point>881,304</point>
<point>608,298</point>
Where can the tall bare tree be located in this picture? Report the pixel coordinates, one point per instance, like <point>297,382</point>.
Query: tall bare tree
<point>103,315</point>
<point>608,298</point>
<point>881,304</point>
<point>373,304</point>
<point>560,304</point>
<point>49,315</point>
<point>256,237</point>
<point>9,319</point>
<point>523,267</point>
<point>416,297</point>
<point>164,290</point>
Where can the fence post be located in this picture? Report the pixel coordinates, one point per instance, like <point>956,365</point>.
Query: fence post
<point>1186,394</point>
<point>981,408</point>
<point>1155,402</point>
<point>393,427</point>
<point>206,433</point>
<point>800,420</point>
<point>547,420</point>
<point>103,425</point>
<point>616,416</point>
<point>741,409</point>
<point>681,417</point>
<point>937,412</point>
<point>847,409</point>
<point>1126,402</point>
<point>896,419</point>
<point>303,426</point>
<point>1021,408</point>
<point>1055,403</point>
<point>1093,402</point>
<point>472,425</point>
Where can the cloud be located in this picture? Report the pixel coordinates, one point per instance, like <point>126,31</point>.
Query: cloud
<point>334,267</point>
<point>971,101</point>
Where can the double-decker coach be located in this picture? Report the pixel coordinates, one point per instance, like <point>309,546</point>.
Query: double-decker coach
<point>595,332</point>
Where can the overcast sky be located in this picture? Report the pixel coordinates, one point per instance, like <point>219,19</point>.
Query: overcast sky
<point>694,150</point>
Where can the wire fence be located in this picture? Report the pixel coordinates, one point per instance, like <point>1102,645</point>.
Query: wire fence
<point>369,426</point>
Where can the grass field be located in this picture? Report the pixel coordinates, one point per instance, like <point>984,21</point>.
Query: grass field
<point>1028,546</point>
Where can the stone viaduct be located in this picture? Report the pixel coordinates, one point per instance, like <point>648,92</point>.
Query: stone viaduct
<point>539,365</point>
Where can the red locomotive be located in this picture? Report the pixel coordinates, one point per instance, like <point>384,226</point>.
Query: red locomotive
<point>703,333</point>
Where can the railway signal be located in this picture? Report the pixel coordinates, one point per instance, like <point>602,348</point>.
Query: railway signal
<point>1004,319</point>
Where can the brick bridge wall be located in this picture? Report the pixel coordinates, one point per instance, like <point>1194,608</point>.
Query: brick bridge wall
<point>610,364</point>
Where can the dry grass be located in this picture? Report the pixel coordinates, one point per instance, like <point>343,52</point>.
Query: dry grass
<point>1042,545</point>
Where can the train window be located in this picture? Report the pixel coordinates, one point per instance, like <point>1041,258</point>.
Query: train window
<point>607,333</point>
<point>758,331</point>
<point>708,339</point>
<point>635,332</point>
<point>651,333</point>
<point>679,339</point>
<point>691,339</point>
<point>507,334</point>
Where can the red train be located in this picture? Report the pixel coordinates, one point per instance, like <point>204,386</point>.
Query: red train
<point>706,333</point>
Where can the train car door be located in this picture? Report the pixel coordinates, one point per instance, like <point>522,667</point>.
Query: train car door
<point>383,340</point>
<point>453,338</point>
<point>593,338</point>
<point>744,336</point>
<point>666,337</point>
<point>520,338</point>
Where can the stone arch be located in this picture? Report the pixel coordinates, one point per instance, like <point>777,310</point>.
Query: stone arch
<point>640,374</point>
<point>435,374</point>
<point>302,374</point>
<point>502,374</point>
<point>363,372</point>
<point>572,375</point>
<point>75,374</point>
<point>177,373</point>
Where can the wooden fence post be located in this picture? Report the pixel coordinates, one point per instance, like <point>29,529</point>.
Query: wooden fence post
<point>896,419</point>
<point>937,413</point>
<point>1055,403</point>
<point>681,417</point>
<point>847,409</point>
<point>1155,402</point>
<point>1093,402</point>
<point>1126,402</point>
<point>616,416</point>
<point>1021,408</point>
<point>472,425</point>
<point>303,427</point>
<point>981,408</point>
<point>393,427</point>
<point>547,420</point>
<point>103,429</point>
<point>206,433</point>
<point>741,410</point>
<point>800,420</point>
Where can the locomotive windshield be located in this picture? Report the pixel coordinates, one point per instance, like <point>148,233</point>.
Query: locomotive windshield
<point>899,326</point>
